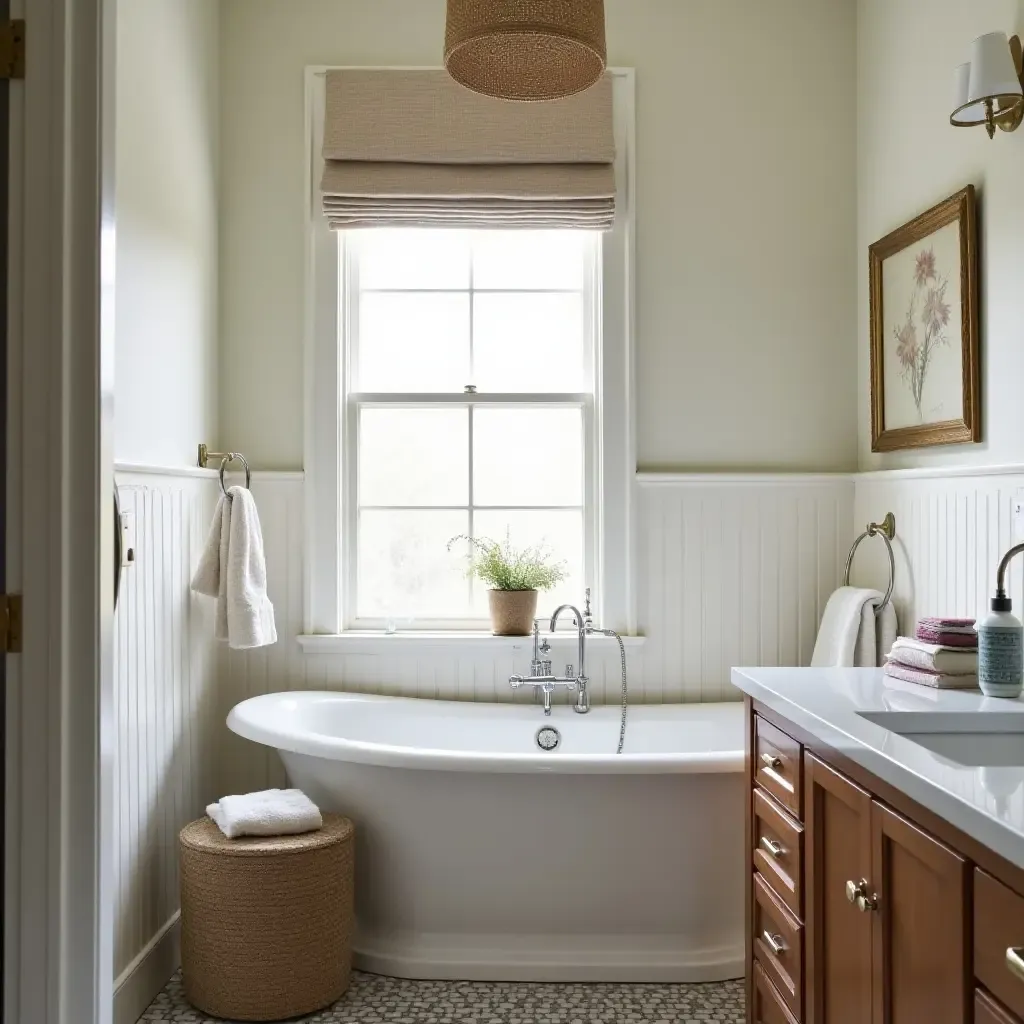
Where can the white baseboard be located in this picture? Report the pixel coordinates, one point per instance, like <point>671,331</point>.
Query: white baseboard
<point>144,978</point>
<point>546,958</point>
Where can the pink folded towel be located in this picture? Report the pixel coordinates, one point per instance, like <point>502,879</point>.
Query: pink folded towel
<point>935,680</point>
<point>949,640</point>
<point>953,625</point>
<point>947,632</point>
<point>953,661</point>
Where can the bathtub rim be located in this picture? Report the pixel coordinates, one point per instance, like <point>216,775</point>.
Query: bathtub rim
<point>246,721</point>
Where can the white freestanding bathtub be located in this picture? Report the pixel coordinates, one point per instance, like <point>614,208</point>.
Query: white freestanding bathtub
<point>480,856</point>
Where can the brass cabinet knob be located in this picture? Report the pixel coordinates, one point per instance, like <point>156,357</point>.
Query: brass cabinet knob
<point>774,942</point>
<point>1015,961</point>
<point>773,849</point>
<point>857,894</point>
<point>866,903</point>
<point>770,761</point>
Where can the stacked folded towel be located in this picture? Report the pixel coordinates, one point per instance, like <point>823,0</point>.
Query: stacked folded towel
<point>273,812</point>
<point>944,666</point>
<point>948,632</point>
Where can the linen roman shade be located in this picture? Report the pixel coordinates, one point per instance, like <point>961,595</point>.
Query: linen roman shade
<point>414,148</point>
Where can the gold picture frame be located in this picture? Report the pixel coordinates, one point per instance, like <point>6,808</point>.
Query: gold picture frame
<point>923,288</point>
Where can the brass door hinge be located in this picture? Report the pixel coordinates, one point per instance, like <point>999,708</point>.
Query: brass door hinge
<point>12,49</point>
<point>10,623</point>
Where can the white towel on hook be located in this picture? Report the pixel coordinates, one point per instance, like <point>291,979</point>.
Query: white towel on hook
<point>232,569</point>
<point>273,812</point>
<point>851,635</point>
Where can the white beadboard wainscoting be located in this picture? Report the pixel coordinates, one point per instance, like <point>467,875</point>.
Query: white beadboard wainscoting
<point>734,570</point>
<point>730,571</point>
<point>165,665</point>
<point>952,527</point>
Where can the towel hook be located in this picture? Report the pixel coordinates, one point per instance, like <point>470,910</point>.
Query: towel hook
<point>205,455</point>
<point>886,529</point>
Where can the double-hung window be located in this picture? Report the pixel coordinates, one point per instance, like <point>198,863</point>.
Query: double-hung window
<point>463,382</point>
<point>468,413</point>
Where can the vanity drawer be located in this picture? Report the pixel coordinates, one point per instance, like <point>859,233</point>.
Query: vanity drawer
<point>768,1005</point>
<point>778,850</point>
<point>778,944</point>
<point>777,765</point>
<point>988,1011</point>
<point>998,928</point>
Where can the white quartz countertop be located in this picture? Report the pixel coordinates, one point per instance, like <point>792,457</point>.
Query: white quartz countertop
<point>985,801</point>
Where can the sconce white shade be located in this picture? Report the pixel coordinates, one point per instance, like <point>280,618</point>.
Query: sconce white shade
<point>961,90</point>
<point>992,77</point>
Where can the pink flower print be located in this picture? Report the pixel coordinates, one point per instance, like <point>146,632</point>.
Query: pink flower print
<point>907,348</point>
<point>936,309</point>
<point>924,269</point>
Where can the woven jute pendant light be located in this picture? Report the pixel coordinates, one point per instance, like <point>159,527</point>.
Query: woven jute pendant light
<point>526,49</point>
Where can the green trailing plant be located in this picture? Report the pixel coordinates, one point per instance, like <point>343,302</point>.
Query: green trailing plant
<point>504,567</point>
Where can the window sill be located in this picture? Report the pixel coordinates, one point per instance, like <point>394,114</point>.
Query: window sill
<point>374,642</point>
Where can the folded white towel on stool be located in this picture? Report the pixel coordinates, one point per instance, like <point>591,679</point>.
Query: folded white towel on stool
<point>233,569</point>
<point>273,812</point>
<point>851,635</point>
<point>950,661</point>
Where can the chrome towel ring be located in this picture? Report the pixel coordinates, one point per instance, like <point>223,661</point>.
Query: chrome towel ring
<point>886,529</point>
<point>205,455</point>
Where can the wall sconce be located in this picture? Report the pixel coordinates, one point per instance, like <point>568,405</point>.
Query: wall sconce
<point>990,89</point>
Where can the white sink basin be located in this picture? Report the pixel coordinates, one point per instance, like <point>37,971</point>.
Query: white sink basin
<point>991,740</point>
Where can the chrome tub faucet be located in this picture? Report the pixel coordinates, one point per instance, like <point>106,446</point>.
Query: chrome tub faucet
<point>541,677</point>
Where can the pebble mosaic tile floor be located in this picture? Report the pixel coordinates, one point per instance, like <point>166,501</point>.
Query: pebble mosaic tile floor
<point>376,1000</point>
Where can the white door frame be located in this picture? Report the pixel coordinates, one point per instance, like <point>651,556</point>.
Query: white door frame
<point>58,899</point>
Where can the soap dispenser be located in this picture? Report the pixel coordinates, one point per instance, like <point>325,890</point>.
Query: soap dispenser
<point>1001,641</point>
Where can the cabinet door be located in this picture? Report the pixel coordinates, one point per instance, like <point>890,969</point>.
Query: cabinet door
<point>921,965</point>
<point>837,850</point>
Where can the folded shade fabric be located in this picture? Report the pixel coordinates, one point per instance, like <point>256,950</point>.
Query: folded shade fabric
<point>271,812</point>
<point>936,680</point>
<point>406,148</point>
<point>934,657</point>
<point>851,634</point>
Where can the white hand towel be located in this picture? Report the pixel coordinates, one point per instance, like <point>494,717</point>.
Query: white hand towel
<point>232,569</point>
<point>851,634</point>
<point>273,812</point>
<point>950,661</point>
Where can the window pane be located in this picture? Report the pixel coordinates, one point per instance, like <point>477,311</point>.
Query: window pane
<point>405,568</point>
<point>413,343</point>
<point>416,258</point>
<point>531,259</point>
<point>413,457</point>
<point>528,342</point>
<point>527,456</point>
<point>561,532</point>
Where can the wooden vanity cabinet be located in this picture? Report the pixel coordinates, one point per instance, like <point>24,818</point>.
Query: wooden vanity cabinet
<point>900,924</point>
<point>837,850</point>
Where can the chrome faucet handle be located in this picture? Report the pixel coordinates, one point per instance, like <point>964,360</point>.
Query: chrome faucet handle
<point>569,672</point>
<point>545,647</point>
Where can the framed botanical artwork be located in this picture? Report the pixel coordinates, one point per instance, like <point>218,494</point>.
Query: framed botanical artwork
<point>924,330</point>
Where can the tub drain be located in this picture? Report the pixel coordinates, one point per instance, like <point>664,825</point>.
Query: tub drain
<point>548,738</point>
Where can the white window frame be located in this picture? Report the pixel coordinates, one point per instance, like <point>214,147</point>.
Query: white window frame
<point>611,469</point>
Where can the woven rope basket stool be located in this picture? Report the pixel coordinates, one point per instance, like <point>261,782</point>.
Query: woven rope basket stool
<point>266,924</point>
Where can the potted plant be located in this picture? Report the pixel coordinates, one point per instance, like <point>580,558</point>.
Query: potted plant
<point>515,575</point>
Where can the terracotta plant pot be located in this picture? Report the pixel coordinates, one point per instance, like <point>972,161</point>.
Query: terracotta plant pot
<point>512,611</point>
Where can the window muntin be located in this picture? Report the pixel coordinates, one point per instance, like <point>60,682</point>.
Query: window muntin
<point>427,315</point>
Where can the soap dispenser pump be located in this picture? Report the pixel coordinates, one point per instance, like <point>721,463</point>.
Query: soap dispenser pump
<point>1001,641</point>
